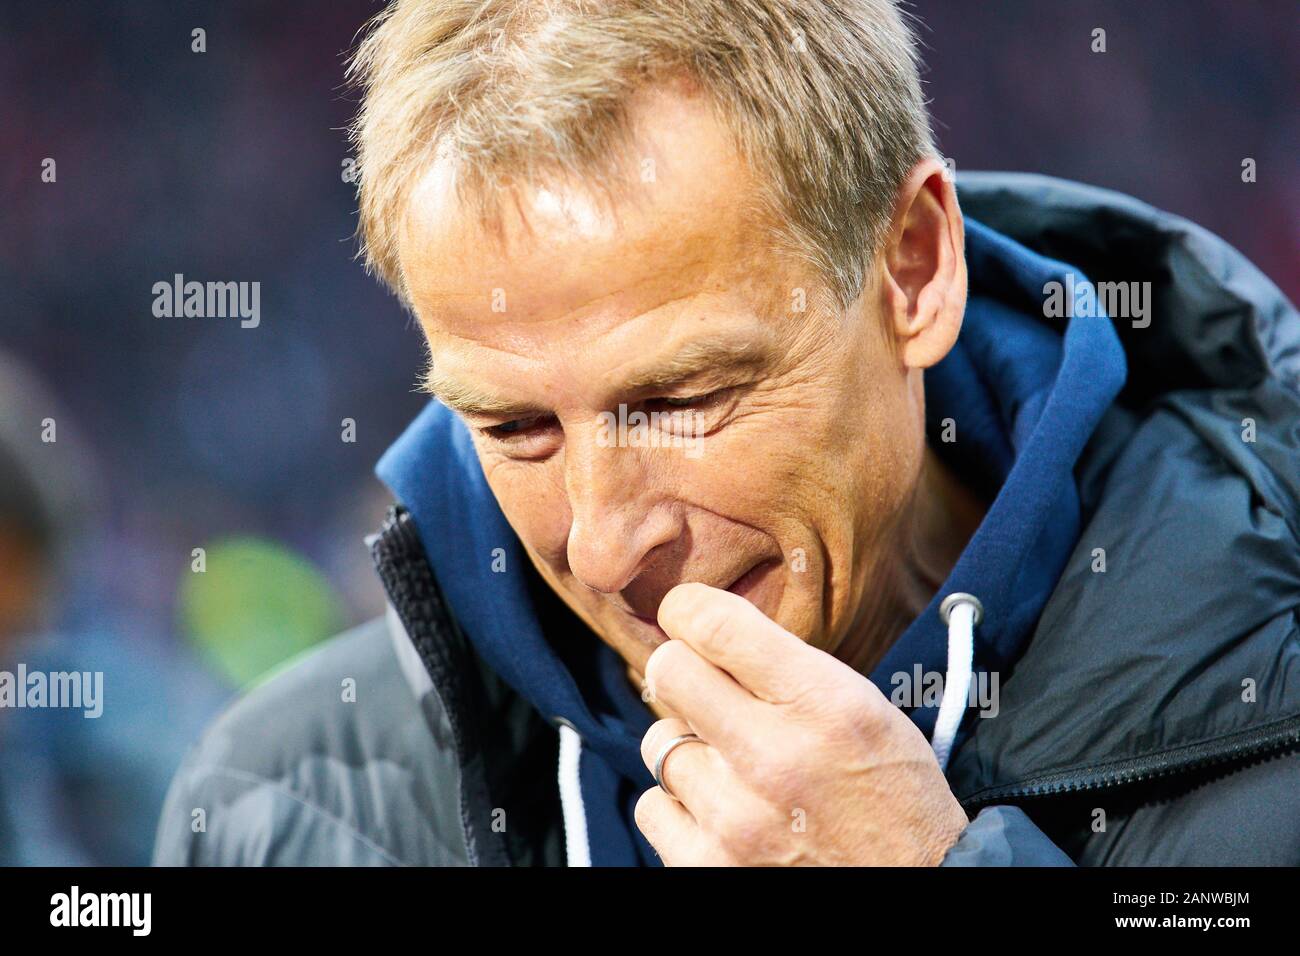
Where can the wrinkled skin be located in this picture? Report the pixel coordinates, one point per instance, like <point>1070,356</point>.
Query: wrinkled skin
<point>808,492</point>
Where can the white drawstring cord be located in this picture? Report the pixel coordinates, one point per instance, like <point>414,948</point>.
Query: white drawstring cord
<point>961,612</point>
<point>576,848</point>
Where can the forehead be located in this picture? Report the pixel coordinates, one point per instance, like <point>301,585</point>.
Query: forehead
<point>676,229</point>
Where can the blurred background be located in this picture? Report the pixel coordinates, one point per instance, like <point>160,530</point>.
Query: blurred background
<point>177,434</point>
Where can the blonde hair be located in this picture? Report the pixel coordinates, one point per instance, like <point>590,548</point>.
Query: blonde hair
<point>822,97</point>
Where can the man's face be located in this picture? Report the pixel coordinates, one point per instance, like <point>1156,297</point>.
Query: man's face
<point>810,429</point>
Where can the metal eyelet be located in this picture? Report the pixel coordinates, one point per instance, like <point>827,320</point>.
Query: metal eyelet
<point>960,597</point>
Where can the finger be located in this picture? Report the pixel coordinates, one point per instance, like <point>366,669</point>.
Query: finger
<point>691,770</point>
<point>728,631</point>
<point>669,828</point>
<point>720,710</point>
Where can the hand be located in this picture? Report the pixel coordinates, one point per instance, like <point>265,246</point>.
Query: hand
<point>804,760</point>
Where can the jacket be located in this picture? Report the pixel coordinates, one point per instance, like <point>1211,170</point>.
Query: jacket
<point>1147,640</point>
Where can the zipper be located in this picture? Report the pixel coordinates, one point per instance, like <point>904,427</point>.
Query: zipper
<point>413,591</point>
<point>1269,740</point>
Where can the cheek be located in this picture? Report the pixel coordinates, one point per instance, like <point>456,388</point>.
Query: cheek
<point>792,456</point>
<point>747,473</point>
<point>534,504</point>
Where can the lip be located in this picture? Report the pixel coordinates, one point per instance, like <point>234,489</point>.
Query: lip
<point>752,580</point>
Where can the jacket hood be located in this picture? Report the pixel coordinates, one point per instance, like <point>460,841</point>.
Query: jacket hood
<point>1216,321</point>
<point>1025,392</point>
<point>1170,643</point>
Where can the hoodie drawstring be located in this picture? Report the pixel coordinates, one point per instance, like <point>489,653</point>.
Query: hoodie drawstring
<point>961,612</point>
<point>577,850</point>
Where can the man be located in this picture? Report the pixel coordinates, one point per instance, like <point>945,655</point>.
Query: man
<point>780,511</point>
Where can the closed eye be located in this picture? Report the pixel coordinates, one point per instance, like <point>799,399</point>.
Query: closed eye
<point>519,433</point>
<point>504,431</point>
<point>689,401</point>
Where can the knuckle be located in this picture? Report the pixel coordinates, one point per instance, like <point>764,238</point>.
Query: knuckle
<point>781,775</point>
<point>847,707</point>
<point>664,663</point>
<point>856,710</point>
<point>660,732</point>
<point>744,831</point>
<point>645,811</point>
<point>654,665</point>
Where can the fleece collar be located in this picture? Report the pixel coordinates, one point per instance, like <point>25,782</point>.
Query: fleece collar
<point>1024,400</point>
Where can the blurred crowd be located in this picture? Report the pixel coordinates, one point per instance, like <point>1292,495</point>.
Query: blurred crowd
<point>198,517</point>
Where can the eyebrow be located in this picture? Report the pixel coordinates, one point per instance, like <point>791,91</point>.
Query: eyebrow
<point>692,360</point>
<point>467,399</point>
<point>696,358</point>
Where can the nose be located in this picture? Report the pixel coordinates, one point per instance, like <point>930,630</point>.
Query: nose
<point>617,520</point>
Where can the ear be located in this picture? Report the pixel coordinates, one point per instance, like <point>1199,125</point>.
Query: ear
<point>923,264</point>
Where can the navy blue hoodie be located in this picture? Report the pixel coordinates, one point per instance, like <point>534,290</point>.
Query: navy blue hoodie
<point>1025,394</point>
